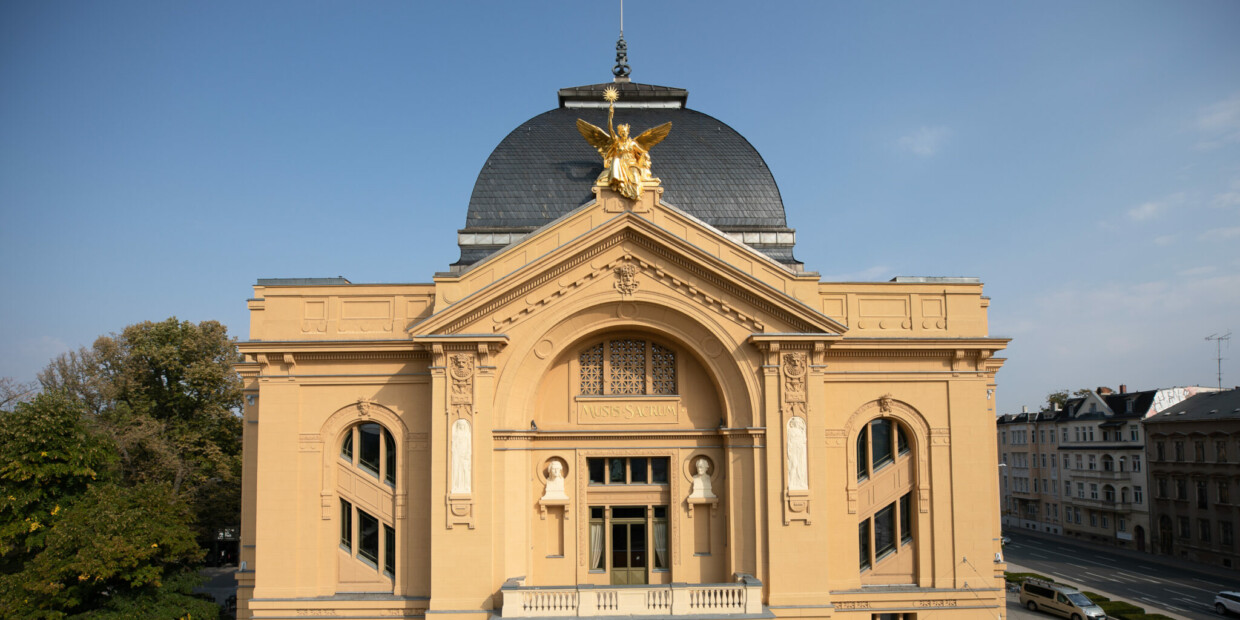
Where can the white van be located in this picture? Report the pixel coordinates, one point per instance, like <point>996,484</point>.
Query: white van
<point>1068,602</point>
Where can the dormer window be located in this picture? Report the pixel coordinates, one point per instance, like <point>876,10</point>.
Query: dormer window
<point>627,366</point>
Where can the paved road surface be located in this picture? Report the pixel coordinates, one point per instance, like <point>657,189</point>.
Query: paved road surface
<point>1172,590</point>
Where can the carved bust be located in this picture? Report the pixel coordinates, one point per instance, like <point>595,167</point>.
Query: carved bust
<point>701,479</point>
<point>555,481</point>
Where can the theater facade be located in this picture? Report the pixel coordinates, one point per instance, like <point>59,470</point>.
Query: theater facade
<point>626,398</point>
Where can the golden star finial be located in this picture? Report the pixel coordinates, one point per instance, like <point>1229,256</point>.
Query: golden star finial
<point>611,94</point>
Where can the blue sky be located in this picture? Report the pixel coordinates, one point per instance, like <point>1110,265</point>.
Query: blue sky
<point>1083,159</point>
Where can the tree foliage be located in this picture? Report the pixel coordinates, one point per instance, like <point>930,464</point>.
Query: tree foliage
<point>1059,398</point>
<point>112,476</point>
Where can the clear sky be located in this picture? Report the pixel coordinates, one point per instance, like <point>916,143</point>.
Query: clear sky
<point>1082,158</point>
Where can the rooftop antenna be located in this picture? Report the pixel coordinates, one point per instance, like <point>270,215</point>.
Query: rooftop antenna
<point>621,70</point>
<point>1218,355</point>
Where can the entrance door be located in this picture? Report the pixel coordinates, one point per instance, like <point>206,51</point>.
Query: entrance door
<point>1139,533</point>
<point>628,545</point>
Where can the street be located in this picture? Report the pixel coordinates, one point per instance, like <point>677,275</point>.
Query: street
<point>1176,592</point>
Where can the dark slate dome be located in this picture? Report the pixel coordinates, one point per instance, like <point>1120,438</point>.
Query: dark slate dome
<point>545,169</point>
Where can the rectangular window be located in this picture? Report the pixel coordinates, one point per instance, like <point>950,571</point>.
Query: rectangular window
<point>389,551</point>
<point>1224,492</point>
<point>368,456</point>
<point>1105,522</point>
<point>1203,530</point>
<point>1136,462</point>
<point>597,538</point>
<point>885,531</point>
<point>1202,502</point>
<point>863,543</point>
<point>1199,451</point>
<point>660,538</point>
<point>1080,490</point>
<point>1093,462</point>
<point>1122,525</point>
<point>1003,437</point>
<point>1132,432</point>
<point>1067,489</point>
<point>1179,451</point>
<point>906,519</point>
<point>1225,533</point>
<point>1181,489</point>
<point>1160,451</point>
<point>636,470</point>
<point>1220,451</point>
<point>1066,465</point>
<point>1035,485</point>
<point>1185,531</point>
<point>1065,435</point>
<point>346,525</point>
<point>1138,497</point>
<point>1091,433</point>
<point>1093,519</point>
<point>368,537</point>
<point>1162,487</point>
<point>1093,491</point>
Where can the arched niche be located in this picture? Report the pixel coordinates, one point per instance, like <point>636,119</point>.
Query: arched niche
<point>697,339</point>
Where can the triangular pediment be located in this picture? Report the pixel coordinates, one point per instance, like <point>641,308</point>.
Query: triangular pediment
<point>668,247</point>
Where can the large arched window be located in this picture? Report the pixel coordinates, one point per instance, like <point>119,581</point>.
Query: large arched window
<point>886,478</point>
<point>366,486</point>
<point>627,366</point>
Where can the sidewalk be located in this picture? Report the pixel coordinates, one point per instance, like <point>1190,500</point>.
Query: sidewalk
<point>1163,560</point>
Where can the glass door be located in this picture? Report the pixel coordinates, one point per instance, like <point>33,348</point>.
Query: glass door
<point>628,545</point>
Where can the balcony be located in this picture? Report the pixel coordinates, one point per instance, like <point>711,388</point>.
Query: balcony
<point>1103,504</point>
<point>1100,474</point>
<point>741,599</point>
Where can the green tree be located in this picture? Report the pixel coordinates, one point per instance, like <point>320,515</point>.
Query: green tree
<point>48,456</point>
<point>166,394</point>
<point>73,539</point>
<point>1059,398</point>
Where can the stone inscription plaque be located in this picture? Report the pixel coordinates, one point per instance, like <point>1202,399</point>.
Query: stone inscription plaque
<point>628,411</point>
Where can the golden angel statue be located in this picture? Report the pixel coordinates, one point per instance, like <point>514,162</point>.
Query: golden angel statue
<point>626,161</point>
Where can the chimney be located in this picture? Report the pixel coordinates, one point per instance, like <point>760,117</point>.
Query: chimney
<point>1024,408</point>
<point>1103,391</point>
<point>1123,388</point>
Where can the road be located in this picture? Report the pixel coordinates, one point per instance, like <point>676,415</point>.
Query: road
<point>1159,588</point>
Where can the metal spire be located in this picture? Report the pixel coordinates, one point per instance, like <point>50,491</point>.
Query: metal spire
<point>621,70</point>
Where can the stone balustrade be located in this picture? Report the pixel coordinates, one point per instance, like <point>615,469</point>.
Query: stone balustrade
<point>741,598</point>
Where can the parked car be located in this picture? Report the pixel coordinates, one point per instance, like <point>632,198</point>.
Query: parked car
<point>1053,598</point>
<point>1227,602</point>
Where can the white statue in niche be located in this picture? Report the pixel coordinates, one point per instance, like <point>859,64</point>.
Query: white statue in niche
<point>797,480</point>
<point>462,455</point>
<point>701,480</point>
<point>555,481</point>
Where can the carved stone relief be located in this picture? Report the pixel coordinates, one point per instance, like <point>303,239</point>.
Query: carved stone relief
<point>797,477</point>
<point>626,279</point>
<point>462,455</point>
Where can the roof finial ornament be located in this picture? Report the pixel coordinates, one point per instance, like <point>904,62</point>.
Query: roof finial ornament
<point>621,70</point>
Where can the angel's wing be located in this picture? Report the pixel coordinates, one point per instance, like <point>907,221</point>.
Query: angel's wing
<point>594,135</point>
<point>652,136</point>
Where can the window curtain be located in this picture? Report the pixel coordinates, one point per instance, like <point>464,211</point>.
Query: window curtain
<point>596,546</point>
<point>660,544</point>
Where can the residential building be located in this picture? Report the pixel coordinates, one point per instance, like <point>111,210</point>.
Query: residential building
<point>626,397</point>
<point>1029,471</point>
<point>1193,451</point>
<point>1081,471</point>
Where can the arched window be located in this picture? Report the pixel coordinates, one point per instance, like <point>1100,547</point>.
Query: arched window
<point>1108,463</point>
<point>627,366</point>
<point>887,516</point>
<point>1108,493</point>
<point>366,488</point>
<point>879,444</point>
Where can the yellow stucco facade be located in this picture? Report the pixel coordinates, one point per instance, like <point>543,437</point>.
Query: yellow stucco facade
<point>626,412</point>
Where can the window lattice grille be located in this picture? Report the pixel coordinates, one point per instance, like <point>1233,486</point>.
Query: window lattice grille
<point>592,370</point>
<point>663,371</point>
<point>628,366</point>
